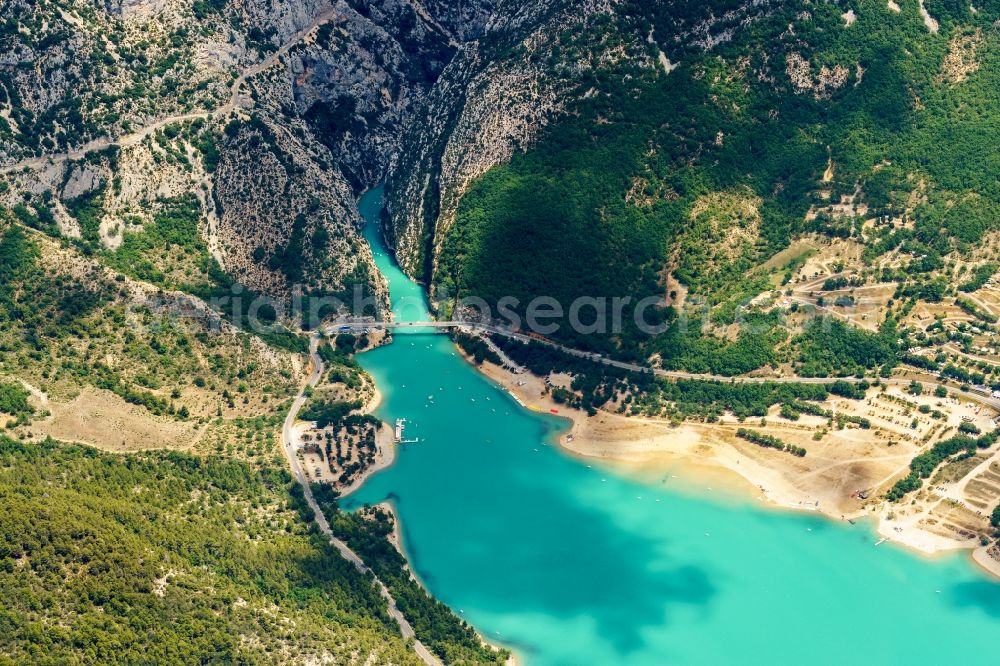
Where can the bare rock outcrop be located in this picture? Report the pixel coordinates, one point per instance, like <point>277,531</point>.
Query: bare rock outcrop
<point>304,133</point>
<point>502,90</point>
<point>492,101</point>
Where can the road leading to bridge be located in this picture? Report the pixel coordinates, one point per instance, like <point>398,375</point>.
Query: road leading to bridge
<point>975,395</point>
<point>288,447</point>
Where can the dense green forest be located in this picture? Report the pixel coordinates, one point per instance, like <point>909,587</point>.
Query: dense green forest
<point>14,401</point>
<point>651,172</point>
<point>830,347</point>
<point>687,347</point>
<point>170,558</point>
<point>327,413</point>
<point>595,385</point>
<point>924,465</point>
<point>979,277</point>
<point>474,346</point>
<point>769,442</point>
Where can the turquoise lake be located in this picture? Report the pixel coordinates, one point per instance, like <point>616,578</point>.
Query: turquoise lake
<point>568,564</point>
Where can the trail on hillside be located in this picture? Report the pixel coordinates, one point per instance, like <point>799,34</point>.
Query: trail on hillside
<point>235,101</point>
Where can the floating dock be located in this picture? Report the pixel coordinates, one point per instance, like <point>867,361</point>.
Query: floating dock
<point>400,425</point>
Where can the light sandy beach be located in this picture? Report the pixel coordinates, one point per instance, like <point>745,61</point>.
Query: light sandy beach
<point>650,448</point>
<point>988,558</point>
<point>708,457</point>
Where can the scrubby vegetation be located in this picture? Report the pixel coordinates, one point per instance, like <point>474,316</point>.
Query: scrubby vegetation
<point>685,346</point>
<point>170,251</point>
<point>70,324</point>
<point>99,72</point>
<point>974,310</point>
<point>710,400</point>
<point>793,410</point>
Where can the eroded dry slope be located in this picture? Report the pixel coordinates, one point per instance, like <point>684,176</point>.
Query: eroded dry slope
<point>272,116</point>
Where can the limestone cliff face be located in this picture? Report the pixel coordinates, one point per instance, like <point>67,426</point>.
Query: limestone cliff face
<point>301,103</point>
<point>463,20</point>
<point>492,100</point>
<point>75,72</point>
<point>324,122</point>
<point>502,89</point>
<point>356,81</point>
<point>275,114</point>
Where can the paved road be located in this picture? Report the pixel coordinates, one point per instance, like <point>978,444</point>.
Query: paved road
<point>321,522</point>
<point>236,100</point>
<point>984,398</point>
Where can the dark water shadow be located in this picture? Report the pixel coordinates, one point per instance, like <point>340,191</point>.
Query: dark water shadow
<point>983,595</point>
<point>589,566</point>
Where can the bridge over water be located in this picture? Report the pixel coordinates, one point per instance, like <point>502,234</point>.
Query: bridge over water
<point>441,326</point>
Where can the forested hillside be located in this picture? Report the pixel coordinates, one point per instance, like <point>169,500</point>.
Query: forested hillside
<point>170,558</point>
<point>834,122</point>
<point>165,166</point>
<point>801,189</point>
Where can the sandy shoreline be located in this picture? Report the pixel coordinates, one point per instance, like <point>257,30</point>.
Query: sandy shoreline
<point>695,457</point>
<point>385,455</point>
<point>650,448</point>
<point>385,449</point>
<point>988,559</point>
<point>373,402</point>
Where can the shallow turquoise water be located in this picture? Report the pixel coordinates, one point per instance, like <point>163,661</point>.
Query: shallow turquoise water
<point>575,565</point>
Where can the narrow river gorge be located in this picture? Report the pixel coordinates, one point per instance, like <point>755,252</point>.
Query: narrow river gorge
<point>568,562</point>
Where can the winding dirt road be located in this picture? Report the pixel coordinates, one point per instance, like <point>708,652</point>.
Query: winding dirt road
<point>288,447</point>
<point>236,101</point>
